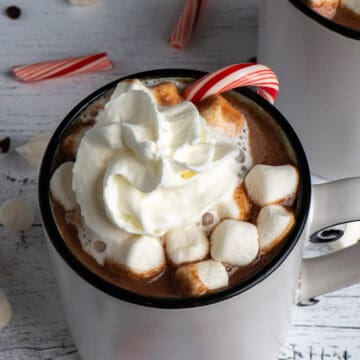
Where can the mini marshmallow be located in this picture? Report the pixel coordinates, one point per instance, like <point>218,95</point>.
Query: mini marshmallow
<point>235,242</point>
<point>238,208</point>
<point>167,94</point>
<point>5,310</point>
<point>199,278</point>
<point>82,2</point>
<point>325,8</point>
<point>274,222</point>
<point>17,214</point>
<point>266,184</point>
<point>61,186</point>
<point>142,256</point>
<point>33,151</point>
<point>220,114</point>
<point>186,245</point>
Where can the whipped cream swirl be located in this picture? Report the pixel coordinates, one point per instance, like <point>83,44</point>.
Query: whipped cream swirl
<point>144,169</point>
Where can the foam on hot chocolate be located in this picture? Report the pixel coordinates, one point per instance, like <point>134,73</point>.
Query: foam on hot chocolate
<point>235,242</point>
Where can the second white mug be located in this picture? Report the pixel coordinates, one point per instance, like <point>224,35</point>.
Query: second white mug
<point>317,63</point>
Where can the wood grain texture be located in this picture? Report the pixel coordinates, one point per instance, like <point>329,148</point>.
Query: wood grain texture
<point>134,33</point>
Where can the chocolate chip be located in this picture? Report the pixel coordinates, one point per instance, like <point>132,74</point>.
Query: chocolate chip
<point>207,219</point>
<point>13,12</point>
<point>4,145</point>
<point>99,246</point>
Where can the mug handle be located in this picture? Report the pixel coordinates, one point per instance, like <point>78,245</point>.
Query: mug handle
<point>332,203</point>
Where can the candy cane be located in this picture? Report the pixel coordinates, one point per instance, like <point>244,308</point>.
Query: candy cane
<point>186,24</point>
<point>233,76</point>
<point>64,67</point>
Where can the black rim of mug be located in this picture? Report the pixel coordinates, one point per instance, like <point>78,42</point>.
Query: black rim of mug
<point>164,302</point>
<point>338,28</point>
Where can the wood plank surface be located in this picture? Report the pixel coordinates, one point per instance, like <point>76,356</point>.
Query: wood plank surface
<point>134,33</point>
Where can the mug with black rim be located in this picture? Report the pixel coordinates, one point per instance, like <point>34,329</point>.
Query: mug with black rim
<point>317,61</point>
<point>246,321</point>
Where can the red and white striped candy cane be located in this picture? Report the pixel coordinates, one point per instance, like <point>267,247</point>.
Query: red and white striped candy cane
<point>64,67</point>
<point>186,24</point>
<point>233,76</point>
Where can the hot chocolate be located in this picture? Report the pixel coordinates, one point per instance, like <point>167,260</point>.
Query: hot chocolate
<point>343,12</point>
<point>165,198</point>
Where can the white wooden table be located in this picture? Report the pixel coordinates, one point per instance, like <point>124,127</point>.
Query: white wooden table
<point>134,33</point>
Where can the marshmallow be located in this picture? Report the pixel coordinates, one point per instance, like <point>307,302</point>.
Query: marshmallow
<point>219,113</point>
<point>34,149</point>
<point>199,278</point>
<point>266,184</point>
<point>235,242</point>
<point>325,8</point>
<point>186,245</point>
<point>229,210</point>
<point>61,186</point>
<point>274,222</point>
<point>238,208</point>
<point>141,256</point>
<point>5,310</point>
<point>17,214</point>
<point>353,5</point>
<point>167,94</point>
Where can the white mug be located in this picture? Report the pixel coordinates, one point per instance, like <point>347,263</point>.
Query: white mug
<point>248,321</point>
<point>317,62</point>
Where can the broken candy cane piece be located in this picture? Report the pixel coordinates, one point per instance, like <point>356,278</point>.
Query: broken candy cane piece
<point>186,24</point>
<point>65,67</point>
